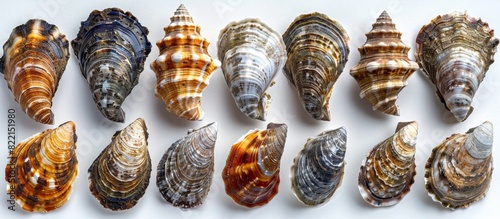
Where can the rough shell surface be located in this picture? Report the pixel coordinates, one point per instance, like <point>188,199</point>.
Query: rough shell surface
<point>251,54</point>
<point>185,172</point>
<point>111,48</point>
<point>384,66</point>
<point>251,175</point>
<point>458,172</point>
<point>35,56</point>
<point>119,176</point>
<point>317,50</point>
<point>388,171</point>
<point>318,169</point>
<point>43,168</point>
<point>454,51</point>
<point>184,67</point>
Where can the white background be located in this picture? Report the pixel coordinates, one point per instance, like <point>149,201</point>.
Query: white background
<point>365,127</point>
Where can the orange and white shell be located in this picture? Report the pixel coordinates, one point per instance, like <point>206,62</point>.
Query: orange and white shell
<point>43,168</point>
<point>35,56</point>
<point>384,66</point>
<point>184,67</point>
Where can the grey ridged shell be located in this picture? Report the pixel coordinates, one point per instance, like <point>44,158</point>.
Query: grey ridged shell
<point>251,54</point>
<point>185,172</point>
<point>318,169</point>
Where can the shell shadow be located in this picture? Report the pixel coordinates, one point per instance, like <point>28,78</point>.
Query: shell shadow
<point>363,105</point>
<point>168,117</point>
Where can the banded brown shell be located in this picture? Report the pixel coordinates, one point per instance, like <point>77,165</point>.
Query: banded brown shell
<point>43,168</point>
<point>119,176</point>
<point>251,175</point>
<point>318,49</point>
<point>35,57</point>
<point>184,67</point>
<point>111,48</point>
<point>454,51</point>
<point>458,172</point>
<point>185,172</point>
<point>384,67</point>
<point>388,171</point>
<point>318,169</point>
<point>252,54</point>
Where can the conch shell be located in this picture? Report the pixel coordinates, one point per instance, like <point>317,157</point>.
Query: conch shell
<point>317,53</point>
<point>111,48</point>
<point>43,168</point>
<point>455,51</point>
<point>34,60</point>
<point>251,175</point>
<point>119,176</point>
<point>185,172</point>
<point>184,66</point>
<point>388,171</point>
<point>251,54</point>
<point>318,169</point>
<point>458,172</point>
<point>384,67</point>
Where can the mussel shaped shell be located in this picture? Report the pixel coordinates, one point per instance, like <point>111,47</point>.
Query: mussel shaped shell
<point>384,66</point>
<point>185,172</point>
<point>251,175</point>
<point>111,48</point>
<point>318,169</point>
<point>184,66</point>
<point>35,56</point>
<point>388,171</point>
<point>119,176</point>
<point>251,54</point>
<point>43,168</point>
<point>455,51</point>
<point>458,172</point>
<point>317,50</point>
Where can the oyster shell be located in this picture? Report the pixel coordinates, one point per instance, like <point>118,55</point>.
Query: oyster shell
<point>43,168</point>
<point>317,52</point>
<point>384,66</point>
<point>35,56</point>
<point>119,176</point>
<point>251,54</point>
<point>318,169</point>
<point>251,175</point>
<point>458,172</point>
<point>184,66</point>
<point>455,51</point>
<point>185,172</point>
<point>388,171</point>
<point>111,48</point>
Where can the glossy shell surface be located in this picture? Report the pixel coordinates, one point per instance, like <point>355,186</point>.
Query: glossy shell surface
<point>251,54</point>
<point>318,49</point>
<point>388,171</point>
<point>454,51</point>
<point>458,172</point>
<point>185,172</point>
<point>119,176</point>
<point>384,66</point>
<point>111,48</point>
<point>251,175</point>
<point>184,67</point>
<point>35,57</point>
<point>318,169</point>
<point>43,168</point>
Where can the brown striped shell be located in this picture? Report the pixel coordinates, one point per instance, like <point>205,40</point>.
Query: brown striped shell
<point>384,66</point>
<point>119,176</point>
<point>35,56</point>
<point>184,67</point>
<point>251,175</point>
<point>43,168</point>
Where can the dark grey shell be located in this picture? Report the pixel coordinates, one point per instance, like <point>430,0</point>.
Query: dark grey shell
<point>111,48</point>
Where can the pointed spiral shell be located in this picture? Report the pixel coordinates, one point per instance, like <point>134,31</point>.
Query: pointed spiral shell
<point>35,56</point>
